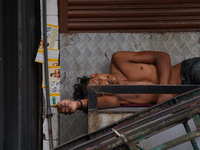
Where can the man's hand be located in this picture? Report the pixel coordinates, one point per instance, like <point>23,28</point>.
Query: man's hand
<point>67,106</point>
<point>163,97</point>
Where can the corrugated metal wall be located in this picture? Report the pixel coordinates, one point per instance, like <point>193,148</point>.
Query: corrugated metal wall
<point>129,15</point>
<point>21,36</point>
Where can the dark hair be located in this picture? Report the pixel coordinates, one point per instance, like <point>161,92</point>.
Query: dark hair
<point>51,74</point>
<point>80,89</point>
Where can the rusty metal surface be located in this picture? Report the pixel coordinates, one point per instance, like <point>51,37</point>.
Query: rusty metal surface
<point>128,16</point>
<point>197,121</point>
<point>63,15</point>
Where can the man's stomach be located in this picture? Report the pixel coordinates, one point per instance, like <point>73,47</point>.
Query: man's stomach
<point>137,98</point>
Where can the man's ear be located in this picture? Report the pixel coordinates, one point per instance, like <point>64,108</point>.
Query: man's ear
<point>93,75</point>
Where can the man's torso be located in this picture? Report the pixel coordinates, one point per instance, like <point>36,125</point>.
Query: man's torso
<point>141,74</point>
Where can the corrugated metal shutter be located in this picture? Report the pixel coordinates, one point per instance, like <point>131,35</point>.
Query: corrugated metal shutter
<point>21,37</point>
<point>129,15</point>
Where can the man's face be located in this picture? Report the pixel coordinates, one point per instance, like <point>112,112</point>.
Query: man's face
<point>103,79</point>
<point>54,75</point>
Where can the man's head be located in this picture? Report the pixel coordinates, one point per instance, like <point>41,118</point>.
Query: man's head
<point>102,79</point>
<point>53,75</point>
<point>81,88</point>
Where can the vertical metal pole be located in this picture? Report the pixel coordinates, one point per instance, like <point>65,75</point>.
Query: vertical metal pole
<point>196,119</point>
<point>40,138</point>
<point>188,130</point>
<point>46,74</point>
<point>92,99</point>
<point>1,78</point>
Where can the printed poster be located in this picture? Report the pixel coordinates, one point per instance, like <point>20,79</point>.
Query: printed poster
<point>53,68</point>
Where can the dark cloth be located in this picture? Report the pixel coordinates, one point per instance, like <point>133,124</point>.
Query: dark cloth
<point>190,71</point>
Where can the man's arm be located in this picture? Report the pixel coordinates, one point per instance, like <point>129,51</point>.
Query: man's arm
<point>68,106</point>
<point>160,59</point>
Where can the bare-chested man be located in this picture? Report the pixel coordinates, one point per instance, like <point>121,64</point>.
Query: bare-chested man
<point>138,68</point>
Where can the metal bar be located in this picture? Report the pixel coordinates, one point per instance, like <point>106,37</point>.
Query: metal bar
<point>133,12</point>
<point>143,89</point>
<point>131,89</point>
<point>49,115</point>
<point>196,119</point>
<point>152,128</point>
<point>63,15</point>
<point>92,99</point>
<point>126,19</point>
<point>129,25</point>
<point>134,117</point>
<point>138,123</point>
<point>188,130</point>
<point>132,145</point>
<point>177,141</point>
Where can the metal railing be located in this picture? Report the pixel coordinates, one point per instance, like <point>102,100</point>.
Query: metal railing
<point>137,127</point>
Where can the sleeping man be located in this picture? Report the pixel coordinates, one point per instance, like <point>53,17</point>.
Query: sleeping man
<point>134,68</point>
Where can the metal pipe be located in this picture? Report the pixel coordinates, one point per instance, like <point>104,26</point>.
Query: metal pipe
<point>49,114</point>
<point>174,142</point>
<point>40,143</point>
<point>188,130</point>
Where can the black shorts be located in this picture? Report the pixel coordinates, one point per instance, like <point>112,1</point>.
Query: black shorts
<point>190,71</point>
